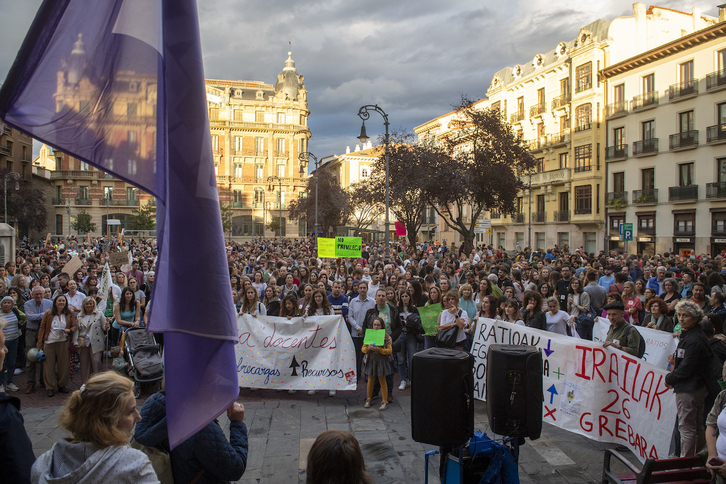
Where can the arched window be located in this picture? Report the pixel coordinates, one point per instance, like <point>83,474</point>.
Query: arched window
<point>583,117</point>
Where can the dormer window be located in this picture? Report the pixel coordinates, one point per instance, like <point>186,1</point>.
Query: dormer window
<point>133,86</point>
<point>561,49</point>
<point>537,61</point>
<point>260,96</point>
<point>517,71</point>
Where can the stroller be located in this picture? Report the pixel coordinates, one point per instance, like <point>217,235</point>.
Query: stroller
<point>146,364</point>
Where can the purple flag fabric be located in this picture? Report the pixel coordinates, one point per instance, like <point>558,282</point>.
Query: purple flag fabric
<point>120,84</point>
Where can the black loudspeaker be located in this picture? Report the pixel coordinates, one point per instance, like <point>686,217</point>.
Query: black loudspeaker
<point>442,397</point>
<point>514,390</point>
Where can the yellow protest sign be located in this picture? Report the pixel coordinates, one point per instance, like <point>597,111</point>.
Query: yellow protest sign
<point>326,247</point>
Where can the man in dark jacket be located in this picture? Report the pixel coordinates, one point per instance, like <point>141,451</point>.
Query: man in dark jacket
<point>206,452</point>
<point>688,379</point>
<point>391,323</point>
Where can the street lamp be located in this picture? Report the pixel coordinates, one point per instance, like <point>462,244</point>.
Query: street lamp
<point>363,113</point>
<point>306,157</point>
<point>16,176</point>
<point>270,180</point>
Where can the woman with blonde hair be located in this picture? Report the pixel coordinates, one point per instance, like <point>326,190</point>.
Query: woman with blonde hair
<point>90,337</point>
<point>100,418</point>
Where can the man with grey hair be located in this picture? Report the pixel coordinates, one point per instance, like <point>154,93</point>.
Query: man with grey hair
<point>494,279</point>
<point>656,282</point>
<point>34,310</point>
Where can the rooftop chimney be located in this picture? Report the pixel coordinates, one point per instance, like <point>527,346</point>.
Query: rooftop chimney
<point>357,147</point>
<point>347,150</point>
<point>722,13</point>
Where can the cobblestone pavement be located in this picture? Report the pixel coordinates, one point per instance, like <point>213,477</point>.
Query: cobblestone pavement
<point>282,427</point>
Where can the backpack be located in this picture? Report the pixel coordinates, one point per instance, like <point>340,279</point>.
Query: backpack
<point>641,346</point>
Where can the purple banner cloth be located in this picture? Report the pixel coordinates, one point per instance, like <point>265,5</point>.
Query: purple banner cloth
<point>120,85</point>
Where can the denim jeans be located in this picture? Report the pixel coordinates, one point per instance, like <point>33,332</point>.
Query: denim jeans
<point>408,349</point>
<point>9,364</point>
<point>429,342</point>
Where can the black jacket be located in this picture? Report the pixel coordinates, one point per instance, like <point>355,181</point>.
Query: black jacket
<point>395,321</point>
<point>538,320</point>
<point>223,461</point>
<point>688,374</point>
<point>16,451</point>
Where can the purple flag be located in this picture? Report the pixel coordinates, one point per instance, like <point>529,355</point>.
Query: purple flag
<point>120,84</point>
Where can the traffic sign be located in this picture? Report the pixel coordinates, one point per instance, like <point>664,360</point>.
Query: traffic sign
<point>627,232</point>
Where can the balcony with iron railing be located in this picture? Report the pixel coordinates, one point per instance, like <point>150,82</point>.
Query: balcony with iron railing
<point>583,210</point>
<point>58,201</point>
<point>537,110</point>
<point>683,193</point>
<point>496,215</point>
<point>561,101</point>
<point>645,197</point>
<point>560,138</point>
<point>582,168</point>
<point>642,102</point>
<point>683,90</point>
<point>240,205</point>
<point>716,135</point>
<point>686,140</point>
<point>538,143</point>
<point>716,80</point>
<point>516,117</point>
<point>646,147</point>
<point>616,153</point>
<point>716,190</point>
<point>561,216</point>
<point>7,130</point>
<point>539,217</point>
<point>583,85</point>
<point>518,218</point>
<point>71,174</point>
<point>583,127</point>
<point>616,109</point>
<point>83,201</point>
<point>617,200</point>
<point>119,202</point>
<point>5,151</point>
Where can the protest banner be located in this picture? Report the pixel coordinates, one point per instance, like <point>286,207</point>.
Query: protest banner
<point>602,393</point>
<point>658,344</point>
<point>430,317</point>
<point>72,266</point>
<point>375,337</point>
<point>315,353</point>
<point>326,247</point>
<point>348,247</point>
<point>118,259</point>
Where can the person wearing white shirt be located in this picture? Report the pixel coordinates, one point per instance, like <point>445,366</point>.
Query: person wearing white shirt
<point>75,298</point>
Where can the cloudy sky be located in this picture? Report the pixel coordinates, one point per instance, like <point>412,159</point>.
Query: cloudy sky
<point>413,58</point>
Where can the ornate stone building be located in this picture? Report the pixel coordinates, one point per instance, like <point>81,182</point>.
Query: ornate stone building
<point>258,132</point>
<point>556,101</point>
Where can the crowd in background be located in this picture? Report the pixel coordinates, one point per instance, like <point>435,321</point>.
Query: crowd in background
<point>556,290</point>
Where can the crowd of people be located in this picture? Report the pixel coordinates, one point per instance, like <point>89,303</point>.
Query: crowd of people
<point>554,290</point>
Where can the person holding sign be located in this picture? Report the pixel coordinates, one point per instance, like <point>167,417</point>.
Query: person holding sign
<point>378,365</point>
<point>391,323</point>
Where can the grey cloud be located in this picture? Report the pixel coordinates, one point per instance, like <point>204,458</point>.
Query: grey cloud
<point>414,58</point>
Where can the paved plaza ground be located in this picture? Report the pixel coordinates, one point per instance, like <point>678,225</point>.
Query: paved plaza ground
<point>282,427</point>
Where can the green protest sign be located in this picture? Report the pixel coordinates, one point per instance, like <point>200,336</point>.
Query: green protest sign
<point>430,317</point>
<point>375,337</point>
<point>326,247</point>
<point>348,247</point>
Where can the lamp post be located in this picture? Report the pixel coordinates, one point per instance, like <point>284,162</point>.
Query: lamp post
<point>16,176</point>
<point>530,213</point>
<point>363,113</point>
<point>305,156</point>
<point>270,180</point>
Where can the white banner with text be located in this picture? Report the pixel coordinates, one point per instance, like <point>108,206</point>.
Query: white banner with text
<point>315,353</point>
<point>658,344</point>
<point>602,393</point>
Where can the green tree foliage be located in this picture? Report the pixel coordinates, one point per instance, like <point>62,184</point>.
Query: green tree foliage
<point>144,217</point>
<point>334,207</point>
<point>226,213</point>
<point>83,224</point>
